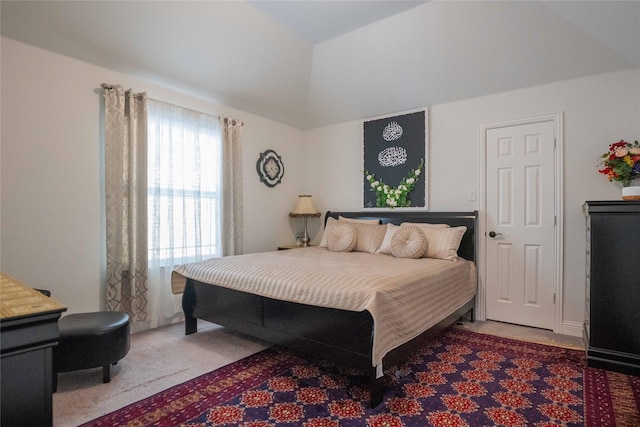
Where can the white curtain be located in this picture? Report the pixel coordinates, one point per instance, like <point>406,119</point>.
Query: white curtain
<point>126,201</point>
<point>185,199</point>
<point>233,216</point>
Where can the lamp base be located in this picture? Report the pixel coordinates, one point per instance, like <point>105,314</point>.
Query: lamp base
<point>305,237</point>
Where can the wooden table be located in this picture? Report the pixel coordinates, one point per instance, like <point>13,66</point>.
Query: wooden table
<point>29,329</point>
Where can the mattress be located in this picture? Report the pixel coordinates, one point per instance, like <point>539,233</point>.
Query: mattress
<point>404,296</point>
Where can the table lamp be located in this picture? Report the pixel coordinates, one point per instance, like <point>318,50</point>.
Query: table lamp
<point>304,209</point>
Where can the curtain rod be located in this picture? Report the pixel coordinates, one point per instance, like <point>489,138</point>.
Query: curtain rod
<point>226,120</point>
<point>233,121</point>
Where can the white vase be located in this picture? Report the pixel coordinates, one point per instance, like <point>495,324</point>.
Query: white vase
<point>631,193</point>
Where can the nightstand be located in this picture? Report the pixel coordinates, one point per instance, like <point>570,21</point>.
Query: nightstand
<point>286,247</point>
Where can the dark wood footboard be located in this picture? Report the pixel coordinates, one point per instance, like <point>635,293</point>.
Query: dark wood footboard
<point>344,337</point>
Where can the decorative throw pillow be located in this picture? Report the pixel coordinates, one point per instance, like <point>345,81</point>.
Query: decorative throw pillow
<point>369,236</point>
<point>443,242</point>
<point>408,242</point>
<point>385,246</point>
<point>331,222</point>
<point>342,238</point>
<point>359,221</point>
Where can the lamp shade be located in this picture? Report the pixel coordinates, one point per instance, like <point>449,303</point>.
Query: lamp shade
<point>305,207</point>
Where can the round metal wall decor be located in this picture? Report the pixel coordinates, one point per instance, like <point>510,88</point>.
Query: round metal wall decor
<point>270,168</point>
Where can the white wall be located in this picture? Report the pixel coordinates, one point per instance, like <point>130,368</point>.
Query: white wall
<point>52,232</point>
<point>51,157</point>
<point>597,111</point>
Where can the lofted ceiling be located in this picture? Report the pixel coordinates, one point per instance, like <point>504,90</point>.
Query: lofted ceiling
<point>313,63</point>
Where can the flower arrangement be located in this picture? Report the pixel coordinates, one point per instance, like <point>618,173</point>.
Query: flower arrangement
<point>392,197</point>
<point>621,162</point>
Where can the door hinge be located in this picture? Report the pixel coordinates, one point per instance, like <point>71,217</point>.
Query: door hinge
<point>555,143</point>
<point>554,297</point>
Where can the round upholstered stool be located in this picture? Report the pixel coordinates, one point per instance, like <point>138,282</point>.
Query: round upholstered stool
<point>91,340</point>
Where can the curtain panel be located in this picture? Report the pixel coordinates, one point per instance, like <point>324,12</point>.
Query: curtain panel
<point>126,201</point>
<point>232,206</point>
<point>174,193</point>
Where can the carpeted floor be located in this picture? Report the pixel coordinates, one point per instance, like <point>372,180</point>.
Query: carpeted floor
<point>165,357</point>
<point>460,378</point>
<point>158,359</point>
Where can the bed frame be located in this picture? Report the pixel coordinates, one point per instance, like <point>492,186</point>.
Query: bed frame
<point>312,329</point>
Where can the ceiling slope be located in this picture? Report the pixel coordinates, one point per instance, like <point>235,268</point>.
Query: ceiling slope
<point>359,60</point>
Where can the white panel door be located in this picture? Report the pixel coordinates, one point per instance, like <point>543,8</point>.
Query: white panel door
<point>520,224</point>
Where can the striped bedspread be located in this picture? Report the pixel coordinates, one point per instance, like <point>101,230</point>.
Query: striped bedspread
<point>404,296</point>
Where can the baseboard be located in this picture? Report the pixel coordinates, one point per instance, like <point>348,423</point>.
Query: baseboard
<point>572,328</point>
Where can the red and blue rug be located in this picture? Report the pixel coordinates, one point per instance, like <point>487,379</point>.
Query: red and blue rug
<point>461,378</point>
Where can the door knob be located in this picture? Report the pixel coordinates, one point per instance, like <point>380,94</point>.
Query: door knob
<point>494,234</point>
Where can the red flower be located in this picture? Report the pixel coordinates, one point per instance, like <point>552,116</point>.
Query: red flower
<point>226,414</point>
<point>512,400</point>
<point>561,413</point>
<point>404,407</point>
<point>384,420</point>
<point>517,386</point>
<point>286,412</point>
<point>418,390</point>
<point>504,417</point>
<point>446,419</point>
<point>282,384</point>
<point>321,422</point>
<point>459,403</point>
<point>305,371</point>
<point>256,398</point>
<point>470,388</point>
<point>311,395</point>
<point>346,409</point>
<point>561,396</point>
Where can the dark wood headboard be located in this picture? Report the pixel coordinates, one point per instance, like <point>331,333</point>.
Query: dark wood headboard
<point>467,249</point>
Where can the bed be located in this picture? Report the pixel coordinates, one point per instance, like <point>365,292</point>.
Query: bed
<point>344,332</point>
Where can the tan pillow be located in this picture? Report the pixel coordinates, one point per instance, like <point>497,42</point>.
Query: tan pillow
<point>359,221</point>
<point>342,238</point>
<point>424,225</point>
<point>385,246</point>
<point>331,222</point>
<point>369,236</point>
<point>443,243</point>
<point>408,242</point>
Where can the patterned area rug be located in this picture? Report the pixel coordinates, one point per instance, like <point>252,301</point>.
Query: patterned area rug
<point>461,378</point>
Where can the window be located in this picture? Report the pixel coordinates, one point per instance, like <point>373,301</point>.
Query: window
<point>184,185</point>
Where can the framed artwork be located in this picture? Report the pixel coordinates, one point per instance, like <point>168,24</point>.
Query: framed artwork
<point>395,160</point>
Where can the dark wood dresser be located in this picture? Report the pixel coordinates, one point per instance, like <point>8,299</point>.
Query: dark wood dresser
<point>29,330</point>
<point>612,323</point>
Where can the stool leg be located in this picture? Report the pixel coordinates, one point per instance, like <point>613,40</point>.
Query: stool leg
<point>106,374</point>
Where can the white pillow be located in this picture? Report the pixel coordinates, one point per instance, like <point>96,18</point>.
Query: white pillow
<point>408,242</point>
<point>370,236</point>
<point>359,221</point>
<point>385,246</point>
<point>443,243</point>
<point>342,238</point>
